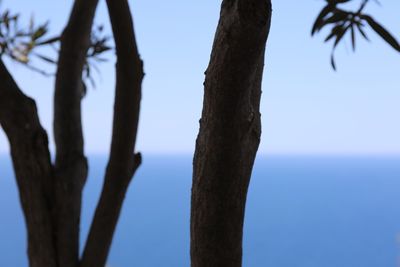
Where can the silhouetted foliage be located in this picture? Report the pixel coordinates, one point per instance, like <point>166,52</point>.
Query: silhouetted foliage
<point>348,22</point>
<point>23,43</point>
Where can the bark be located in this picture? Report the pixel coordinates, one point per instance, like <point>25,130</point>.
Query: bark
<point>33,169</point>
<point>229,136</point>
<point>123,162</point>
<point>70,165</point>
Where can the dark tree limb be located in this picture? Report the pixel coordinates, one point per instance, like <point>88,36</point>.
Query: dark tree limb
<point>33,169</point>
<point>122,162</point>
<point>229,136</point>
<point>71,164</point>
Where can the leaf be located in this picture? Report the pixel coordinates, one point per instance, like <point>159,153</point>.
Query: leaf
<point>48,41</point>
<point>87,70</point>
<point>31,23</point>
<point>330,36</point>
<point>338,1</point>
<point>95,68</point>
<point>340,35</point>
<point>6,20</point>
<point>359,27</point>
<point>353,38</point>
<point>338,16</point>
<point>15,17</point>
<point>320,19</point>
<point>47,59</point>
<point>42,30</point>
<point>21,33</point>
<point>382,32</point>
<point>84,89</point>
<point>20,57</point>
<point>92,82</point>
<point>5,15</point>
<point>334,32</point>
<point>333,62</point>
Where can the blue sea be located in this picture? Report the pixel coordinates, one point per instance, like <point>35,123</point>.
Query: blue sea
<point>302,211</point>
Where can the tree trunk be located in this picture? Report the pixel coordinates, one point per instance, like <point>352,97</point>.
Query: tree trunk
<point>229,136</point>
<point>70,165</point>
<point>33,169</point>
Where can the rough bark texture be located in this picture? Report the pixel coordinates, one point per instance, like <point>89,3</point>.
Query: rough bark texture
<point>51,197</point>
<point>33,169</point>
<point>70,165</point>
<point>122,162</point>
<point>229,136</point>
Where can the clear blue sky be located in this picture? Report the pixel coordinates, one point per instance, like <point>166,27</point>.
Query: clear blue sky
<point>307,108</point>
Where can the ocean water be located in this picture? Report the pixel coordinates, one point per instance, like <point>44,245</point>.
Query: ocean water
<point>302,211</point>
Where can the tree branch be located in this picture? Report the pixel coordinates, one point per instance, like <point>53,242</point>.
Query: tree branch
<point>33,169</point>
<point>71,165</point>
<point>122,162</point>
<point>229,134</point>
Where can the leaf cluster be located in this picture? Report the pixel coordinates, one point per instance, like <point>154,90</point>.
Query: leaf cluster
<point>99,44</point>
<point>23,44</point>
<point>346,22</point>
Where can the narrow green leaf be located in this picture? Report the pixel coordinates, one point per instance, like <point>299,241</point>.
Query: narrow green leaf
<point>359,27</point>
<point>42,30</point>
<point>334,32</point>
<point>320,19</point>
<point>382,32</point>
<point>333,62</point>
<point>48,41</point>
<point>47,59</point>
<point>353,38</point>
<point>338,16</point>
<point>330,36</point>
<point>340,35</point>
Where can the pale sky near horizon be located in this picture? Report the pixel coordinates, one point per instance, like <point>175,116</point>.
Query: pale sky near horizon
<point>307,108</point>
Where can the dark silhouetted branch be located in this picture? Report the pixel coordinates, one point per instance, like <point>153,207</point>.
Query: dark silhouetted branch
<point>71,164</point>
<point>33,169</point>
<point>122,162</point>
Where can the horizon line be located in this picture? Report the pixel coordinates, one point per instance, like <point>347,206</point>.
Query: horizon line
<point>260,154</point>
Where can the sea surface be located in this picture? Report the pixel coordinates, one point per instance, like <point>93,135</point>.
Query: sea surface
<point>302,211</point>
